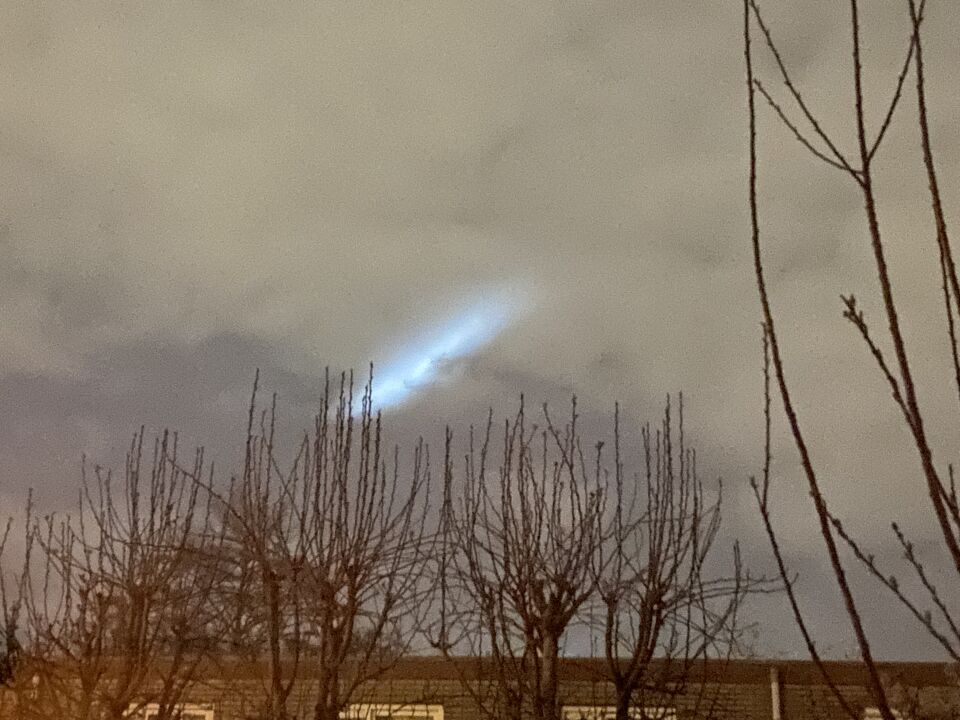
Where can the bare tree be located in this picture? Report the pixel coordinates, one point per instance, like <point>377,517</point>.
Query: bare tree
<point>530,542</point>
<point>111,603</point>
<point>930,607</point>
<point>12,588</point>
<point>518,559</point>
<point>328,558</point>
<point>666,608</point>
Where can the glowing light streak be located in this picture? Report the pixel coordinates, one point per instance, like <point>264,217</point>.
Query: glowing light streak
<point>466,332</point>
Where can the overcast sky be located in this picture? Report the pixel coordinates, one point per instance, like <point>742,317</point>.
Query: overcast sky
<point>193,190</point>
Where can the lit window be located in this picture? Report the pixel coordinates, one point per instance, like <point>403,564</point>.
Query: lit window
<point>393,712</point>
<point>609,712</point>
<point>182,711</point>
<point>873,713</point>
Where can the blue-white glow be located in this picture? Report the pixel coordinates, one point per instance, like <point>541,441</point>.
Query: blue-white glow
<point>466,332</point>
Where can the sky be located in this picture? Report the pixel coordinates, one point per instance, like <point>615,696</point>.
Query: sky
<point>482,199</point>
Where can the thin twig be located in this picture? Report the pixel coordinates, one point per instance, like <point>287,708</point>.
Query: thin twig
<point>784,73</point>
<point>793,128</point>
<point>896,94</point>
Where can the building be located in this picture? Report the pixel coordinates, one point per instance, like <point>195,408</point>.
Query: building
<point>431,688</point>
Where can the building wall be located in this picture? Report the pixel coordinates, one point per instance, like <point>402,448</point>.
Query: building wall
<point>735,691</point>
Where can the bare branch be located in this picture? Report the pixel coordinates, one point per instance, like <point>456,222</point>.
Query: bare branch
<point>839,159</point>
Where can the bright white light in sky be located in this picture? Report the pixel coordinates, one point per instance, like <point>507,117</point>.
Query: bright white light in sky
<point>468,330</point>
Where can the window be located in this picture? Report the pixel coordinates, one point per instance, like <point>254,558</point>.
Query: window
<point>188,711</point>
<point>393,712</point>
<point>609,712</point>
<point>872,713</point>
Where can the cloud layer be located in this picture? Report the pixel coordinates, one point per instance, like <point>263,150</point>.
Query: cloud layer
<point>192,190</point>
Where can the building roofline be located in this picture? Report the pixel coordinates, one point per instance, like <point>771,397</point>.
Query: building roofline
<point>584,669</point>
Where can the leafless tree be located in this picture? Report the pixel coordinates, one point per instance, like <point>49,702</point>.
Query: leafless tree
<point>930,607</point>
<point>328,558</point>
<point>531,541</point>
<point>112,602</point>
<point>518,559</point>
<point>12,589</point>
<point>666,607</point>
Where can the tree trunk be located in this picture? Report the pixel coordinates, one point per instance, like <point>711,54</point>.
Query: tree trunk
<point>550,707</point>
<point>623,704</point>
